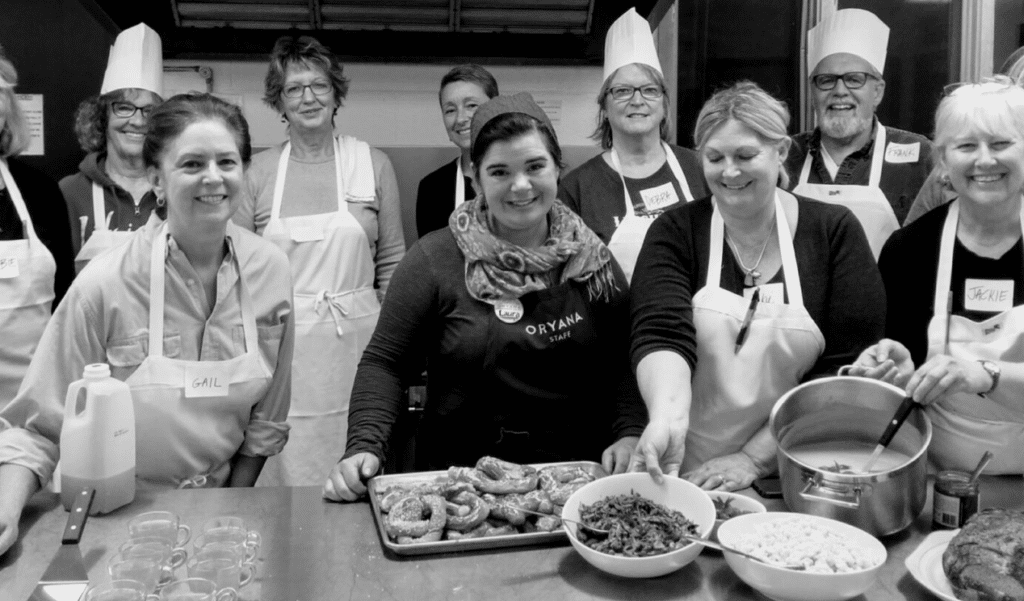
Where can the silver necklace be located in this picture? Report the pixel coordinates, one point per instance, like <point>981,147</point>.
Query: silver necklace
<point>752,274</point>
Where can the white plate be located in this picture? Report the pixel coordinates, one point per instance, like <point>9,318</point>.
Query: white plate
<point>925,564</point>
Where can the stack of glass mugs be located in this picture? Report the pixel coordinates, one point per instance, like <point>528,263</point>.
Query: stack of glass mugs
<point>149,565</point>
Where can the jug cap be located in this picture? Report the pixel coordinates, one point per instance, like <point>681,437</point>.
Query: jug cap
<point>96,371</point>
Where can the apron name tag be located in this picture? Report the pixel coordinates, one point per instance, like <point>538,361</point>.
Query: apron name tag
<point>8,268</point>
<point>306,233</point>
<point>659,197</point>
<point>205,381</point>
<point>770,293</point>
<point>902,153</point>
<point>988,295</point>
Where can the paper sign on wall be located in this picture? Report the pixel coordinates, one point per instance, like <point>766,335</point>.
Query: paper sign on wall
<point>32,107</point>
<point>550,104</point>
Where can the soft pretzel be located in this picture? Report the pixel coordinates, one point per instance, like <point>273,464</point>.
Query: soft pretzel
<point>414,517</point>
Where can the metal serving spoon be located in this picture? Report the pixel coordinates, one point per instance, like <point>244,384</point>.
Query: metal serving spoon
<point>590,530</point>
<point>721,547</point>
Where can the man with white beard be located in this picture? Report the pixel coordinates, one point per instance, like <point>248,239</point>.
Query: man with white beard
<point>850,158</point>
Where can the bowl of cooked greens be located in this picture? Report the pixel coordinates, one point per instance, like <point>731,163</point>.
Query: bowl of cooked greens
<point>647,523</point>
<point>729,505</point>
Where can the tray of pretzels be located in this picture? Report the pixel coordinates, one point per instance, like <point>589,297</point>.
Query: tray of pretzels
<point>479,507</point>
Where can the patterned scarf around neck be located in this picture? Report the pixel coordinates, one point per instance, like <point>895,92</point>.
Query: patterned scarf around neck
<point>497,269</point>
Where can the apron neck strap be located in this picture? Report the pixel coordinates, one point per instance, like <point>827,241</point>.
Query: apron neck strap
<point>99,212</point>
<point>157,281</point>
<point>460,183</point>
<point>877,158</point>
<point>789,269</point>
<point>19,201</point>
<point>673,165</point>
<point>282,172</point>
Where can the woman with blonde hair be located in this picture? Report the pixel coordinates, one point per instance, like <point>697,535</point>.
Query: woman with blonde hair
<point>746,293</point>
<point>954,281</point>
<point>33,276</point>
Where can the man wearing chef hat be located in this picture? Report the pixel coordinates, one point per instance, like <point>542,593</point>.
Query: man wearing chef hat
<point>110,197</point>
<point>639,175</point>
<point>851,158</point>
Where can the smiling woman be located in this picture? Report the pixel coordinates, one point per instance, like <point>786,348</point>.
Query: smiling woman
<point>520,313</point>
<point>782,289</point>
<point>964,260</point>
<point>194,293</point>
<point>331,203</point>
<point>463,89</point>
<point>110,196</point>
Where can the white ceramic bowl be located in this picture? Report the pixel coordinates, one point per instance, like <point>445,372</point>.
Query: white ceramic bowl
<point>791,585</point>
<point>673,493</point>
<point>741,502</point>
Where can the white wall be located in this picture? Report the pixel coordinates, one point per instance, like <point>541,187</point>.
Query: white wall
<point>396,104</point>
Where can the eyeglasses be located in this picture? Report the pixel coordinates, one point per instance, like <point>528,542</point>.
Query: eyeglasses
<point>126,110</point>
<point>650,92</point>
<point>853,80</point>
<point>295,90</point>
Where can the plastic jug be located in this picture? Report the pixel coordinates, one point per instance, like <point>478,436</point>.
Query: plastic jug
<point>97,441</point>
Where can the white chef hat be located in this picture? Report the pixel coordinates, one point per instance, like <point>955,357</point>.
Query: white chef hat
<point>629,40</point>
<point>850,30</point>
<point>136,61</point>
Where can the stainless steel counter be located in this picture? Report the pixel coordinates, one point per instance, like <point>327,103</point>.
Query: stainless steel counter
<point>314,550</point>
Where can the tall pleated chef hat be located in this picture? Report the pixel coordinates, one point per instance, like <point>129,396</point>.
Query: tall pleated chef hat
<point>629,41</point>
<point>136,61</point>
<point>849,30</point>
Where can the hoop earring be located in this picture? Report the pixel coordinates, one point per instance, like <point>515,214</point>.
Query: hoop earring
<point>160,200</point>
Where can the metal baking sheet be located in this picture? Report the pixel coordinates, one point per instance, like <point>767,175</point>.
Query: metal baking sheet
<point>378,483</point>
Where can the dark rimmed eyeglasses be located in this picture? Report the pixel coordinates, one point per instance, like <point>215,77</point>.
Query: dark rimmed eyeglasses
<point>126,110</point>
<point>650,92</point>
<point>853,80</point>
<point>320,88</point>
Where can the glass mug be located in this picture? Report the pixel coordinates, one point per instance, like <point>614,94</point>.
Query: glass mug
<point>196,589</point>
<point>160,524</point>
<point>154,548</point>
<point>118,590</point>
<point>231,529</point>
<point>224,569</point>
<point>238,546</point>
<point>145,570</point>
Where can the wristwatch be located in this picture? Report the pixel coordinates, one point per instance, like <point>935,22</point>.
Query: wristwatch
<point>993,371</point>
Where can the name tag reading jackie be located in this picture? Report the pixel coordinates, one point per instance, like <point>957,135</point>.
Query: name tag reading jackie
<point>659,197</point>
<point>8,268</point>
<point>994,296</point>
<point>205,381</point>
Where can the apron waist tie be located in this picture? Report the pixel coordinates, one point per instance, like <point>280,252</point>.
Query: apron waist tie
<point>198,481</point>
<point>331,300</point>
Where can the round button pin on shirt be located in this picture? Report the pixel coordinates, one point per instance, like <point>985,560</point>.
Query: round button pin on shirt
<point>509,311</point>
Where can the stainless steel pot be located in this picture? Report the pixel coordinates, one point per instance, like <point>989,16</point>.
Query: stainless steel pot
<point>851,409</point>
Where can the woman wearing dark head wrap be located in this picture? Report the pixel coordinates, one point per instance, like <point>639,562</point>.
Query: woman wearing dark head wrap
<point>520,312</point>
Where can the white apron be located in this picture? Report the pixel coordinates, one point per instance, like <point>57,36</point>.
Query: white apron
<point>966,425</point>
<point>27,271</point>
<point>336,310</point>
<point>460,183</point>
<point>102,237</point>
<point>733,392</point>
<point>868,202</point>
<point>629,234</point>
<point>184,440</point>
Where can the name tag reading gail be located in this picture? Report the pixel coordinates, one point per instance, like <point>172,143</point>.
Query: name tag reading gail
<point>205,381</point>
<point>659,197</point>
<point>8,268</point>
<point>994,296</point>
